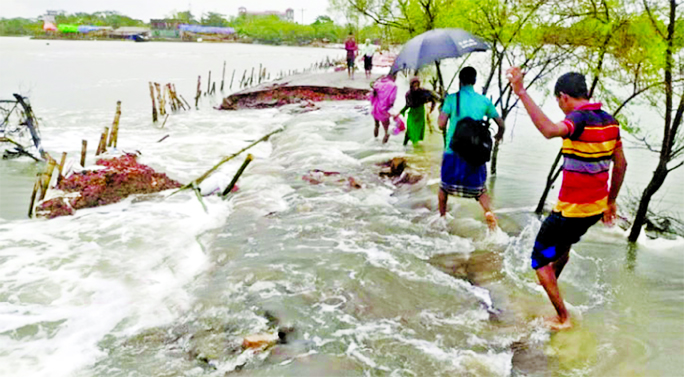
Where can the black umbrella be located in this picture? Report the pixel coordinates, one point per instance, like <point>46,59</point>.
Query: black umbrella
<point>435,45</point>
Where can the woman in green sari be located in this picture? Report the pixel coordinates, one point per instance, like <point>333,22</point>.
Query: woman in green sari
<point>416,98</point>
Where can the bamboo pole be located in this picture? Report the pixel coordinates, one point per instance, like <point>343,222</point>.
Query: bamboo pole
<point>226,159</point>
<point>154,106</point>
<point>199,196</point>
<point>115,126</point>
<point>47,177</point>
<point>36,185</point>
<point>167,117</point>
<point>242,80</point>
<point>208,84</point>
<point>238,174</point>
<point>172,88</point>
<point>161,97</point>
<point>199,90</point>
<point>102,147</point>
<point>186,102</point>
<point>172,102</point>
<point>84,147</point>
<point>251,77</point>
<point>231,79</point>
<point>260,73</point>
<point>223,76</point>
<point>61,167</point>
<point>213,88</point>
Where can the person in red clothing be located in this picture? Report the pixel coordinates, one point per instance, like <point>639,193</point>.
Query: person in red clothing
<point>591,142</point>
<point>351,47</point>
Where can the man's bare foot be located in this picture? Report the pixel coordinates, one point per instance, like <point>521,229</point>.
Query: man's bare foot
<point>555,323</point>
<point>491,220</point>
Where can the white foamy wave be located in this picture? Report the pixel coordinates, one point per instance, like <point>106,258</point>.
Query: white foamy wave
<point>72,280</point>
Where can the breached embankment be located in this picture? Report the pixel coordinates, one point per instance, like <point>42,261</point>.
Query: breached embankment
<point>304,88</point>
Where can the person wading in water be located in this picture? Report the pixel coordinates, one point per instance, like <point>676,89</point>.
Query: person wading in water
<point>382,99</point>
<point>459,177</point>
<point>416,98</point>
<point>591,142</point>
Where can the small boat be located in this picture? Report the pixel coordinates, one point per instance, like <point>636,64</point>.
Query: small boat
<point>140,38</point>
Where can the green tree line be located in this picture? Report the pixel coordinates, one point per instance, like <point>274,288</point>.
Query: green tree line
<point>25,26</point>
<point>260,29</point>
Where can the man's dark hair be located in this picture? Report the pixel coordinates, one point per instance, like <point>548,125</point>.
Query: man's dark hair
<point>572,84</point>
<point>467,76</point>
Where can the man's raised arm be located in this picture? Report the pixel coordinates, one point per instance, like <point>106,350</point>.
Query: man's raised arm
<point>540,120</point>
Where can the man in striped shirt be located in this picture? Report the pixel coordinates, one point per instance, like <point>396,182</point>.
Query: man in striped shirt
<point>591,141</point>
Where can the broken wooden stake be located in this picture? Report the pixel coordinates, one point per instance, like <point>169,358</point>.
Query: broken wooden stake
<point>84,147</point>
<point>102,147</point>
<point>186,102</point>
<point>162,139</point>
<point>223,76</point>
<point>167,117</point>
<point>231,79</point>
<point>36,185</point>
<point>199,90</point>
<point>115,126</point>
<point>47,177</point>
<point>238,174</point>
<point>208,84</point>
<point>154,106</point>
<point>61,167</point>
<point>161,97</point>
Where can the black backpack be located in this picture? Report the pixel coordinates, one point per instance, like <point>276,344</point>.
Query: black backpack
<point>471,140</point>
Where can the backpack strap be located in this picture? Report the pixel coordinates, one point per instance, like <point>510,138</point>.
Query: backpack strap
<point>458,103</point>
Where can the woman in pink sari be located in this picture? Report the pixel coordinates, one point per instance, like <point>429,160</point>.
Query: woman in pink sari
<point>382,99</point>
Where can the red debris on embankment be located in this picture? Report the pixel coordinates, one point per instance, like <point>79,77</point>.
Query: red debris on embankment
<point>124,176</point>
<point>284,95</point>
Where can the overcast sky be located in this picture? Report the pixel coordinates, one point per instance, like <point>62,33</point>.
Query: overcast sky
<point>146,9</point>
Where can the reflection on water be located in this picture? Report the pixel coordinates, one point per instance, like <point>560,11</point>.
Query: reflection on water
<point>369,280</point>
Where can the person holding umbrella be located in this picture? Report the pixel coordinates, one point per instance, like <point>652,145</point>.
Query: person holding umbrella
<point>416,99</point>
<point>458,176</point>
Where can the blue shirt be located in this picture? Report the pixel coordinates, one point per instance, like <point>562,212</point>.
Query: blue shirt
<point>473,105</point>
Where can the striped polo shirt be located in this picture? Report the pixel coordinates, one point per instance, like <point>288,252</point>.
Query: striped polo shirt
<point>587,153</point>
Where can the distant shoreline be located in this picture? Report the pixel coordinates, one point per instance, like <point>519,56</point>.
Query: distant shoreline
<point>198,40</point>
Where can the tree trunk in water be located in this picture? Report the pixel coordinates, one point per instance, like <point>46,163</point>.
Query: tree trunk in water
<point>495,153</point>
<point>553,175</point>
<point>659,176</point>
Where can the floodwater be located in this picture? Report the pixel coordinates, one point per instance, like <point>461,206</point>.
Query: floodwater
<point>370,282</point>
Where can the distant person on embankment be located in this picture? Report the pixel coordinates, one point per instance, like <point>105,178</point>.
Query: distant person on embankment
<point>382,99</point>
<point>591,141</point>
<point>367,51</point>
<point>460,177</point>
<point>350,46</point>
<point>416,99</point>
